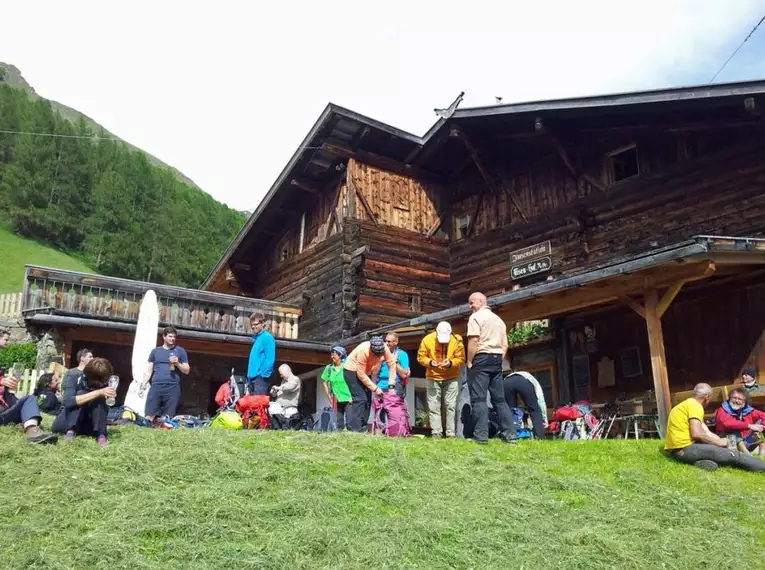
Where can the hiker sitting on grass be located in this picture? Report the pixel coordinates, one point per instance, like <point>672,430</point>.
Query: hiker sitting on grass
<point>85,408</point>
<point>741,423</point>
<point>46,393</point>
<point>287,393</point>
<point>24,411</point>
<point>690,441</point>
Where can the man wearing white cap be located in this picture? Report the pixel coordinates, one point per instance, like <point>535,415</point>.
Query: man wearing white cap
<point>442,353</point>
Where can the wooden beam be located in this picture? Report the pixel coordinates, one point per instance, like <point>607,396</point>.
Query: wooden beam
<point>485,175</point>
<point>367,207</point>
<point>658,357</point>
<point>668,297</point>
<point>437,224</point>
<point>634,305</point>
<point>473,222</point>
<point>382,162</point>
<point>306,186</point>
<point>575,172</point>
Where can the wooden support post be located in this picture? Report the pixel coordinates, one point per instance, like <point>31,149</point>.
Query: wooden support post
<point>668,297</point>
<point>658,357</point>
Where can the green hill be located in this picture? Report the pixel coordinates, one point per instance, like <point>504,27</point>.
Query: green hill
<point>212,499</point>
<point>16,252</point>
<point>65,182</point>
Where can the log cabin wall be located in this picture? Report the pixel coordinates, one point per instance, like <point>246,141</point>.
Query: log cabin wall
<point>700,183</point>
<point>313,280</point>
<point>404,274</point>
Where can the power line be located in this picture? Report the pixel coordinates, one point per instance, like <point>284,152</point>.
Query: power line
<point>97,138</point>
<point>59,135</point>
<point>727,61</point>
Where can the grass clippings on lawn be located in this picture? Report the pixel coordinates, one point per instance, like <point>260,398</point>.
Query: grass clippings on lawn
<point>212,499</point>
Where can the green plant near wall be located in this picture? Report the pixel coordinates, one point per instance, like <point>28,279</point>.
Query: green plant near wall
<point>25,353</point>
<point>525,332</point>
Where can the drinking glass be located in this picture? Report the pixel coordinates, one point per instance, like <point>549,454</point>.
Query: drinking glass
<point>113,382</point>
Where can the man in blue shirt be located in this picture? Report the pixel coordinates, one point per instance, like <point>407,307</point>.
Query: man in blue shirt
<point>262,356</point>
<point>402,367</point>
<point>166,363</point>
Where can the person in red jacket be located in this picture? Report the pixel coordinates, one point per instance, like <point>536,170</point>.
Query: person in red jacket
<point>741,423</point>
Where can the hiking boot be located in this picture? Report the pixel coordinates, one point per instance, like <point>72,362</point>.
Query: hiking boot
<point>705,464</point>
<point>35,435</point>
<point>507,438</point>
<point>480,441</point>
<point>102,441</point>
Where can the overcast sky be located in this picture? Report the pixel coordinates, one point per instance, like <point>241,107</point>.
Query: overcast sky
<point>225,92</point>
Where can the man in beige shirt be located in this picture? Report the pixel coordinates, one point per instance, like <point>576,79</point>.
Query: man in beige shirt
<point>487,347</point>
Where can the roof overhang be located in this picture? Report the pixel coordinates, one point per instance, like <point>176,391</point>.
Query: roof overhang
<point>688,261</point>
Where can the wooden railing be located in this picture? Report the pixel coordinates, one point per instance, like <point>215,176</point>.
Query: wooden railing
<point>108,298</point>
<point>10,305</point>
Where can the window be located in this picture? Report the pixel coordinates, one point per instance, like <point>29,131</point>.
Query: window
<point>631,365</point>
<point>284,254</point>
<point>415,303</point>
<point>624,163</point>
<point>461,226</point>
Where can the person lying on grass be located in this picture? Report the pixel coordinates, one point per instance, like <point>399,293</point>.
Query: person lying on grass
<point>690,441</point>
<point>85,408</point>
<point>741,423</point>
<point>24,411</point>
<point>46,393</point>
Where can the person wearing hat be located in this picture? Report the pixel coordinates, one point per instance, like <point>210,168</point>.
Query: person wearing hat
<point>749,377</point>
<point>356,371</point>
<point>335,385</point>
<point>442,353</point>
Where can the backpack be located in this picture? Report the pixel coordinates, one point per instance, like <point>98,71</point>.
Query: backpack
<point>326,420</point>
<point>254,410</point>
<point>391,416</point>
<point>227,420</point>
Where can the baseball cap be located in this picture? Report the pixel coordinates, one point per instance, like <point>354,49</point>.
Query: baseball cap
<point>443,332</point>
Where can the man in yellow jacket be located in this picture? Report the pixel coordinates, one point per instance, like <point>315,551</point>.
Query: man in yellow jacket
<point>442,353</point>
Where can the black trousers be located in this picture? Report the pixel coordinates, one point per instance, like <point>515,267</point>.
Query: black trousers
<point>720,455</point>
<point>361,403</point>
<point>259,386</point>
<point>163,400</point>
<point>90,419</point>
<point>342,408</point>
<point>516,385</point>
<point>485,376</point>
<point>21,412</point>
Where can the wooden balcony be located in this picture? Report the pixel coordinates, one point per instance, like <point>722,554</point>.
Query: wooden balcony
<point>82,295</point>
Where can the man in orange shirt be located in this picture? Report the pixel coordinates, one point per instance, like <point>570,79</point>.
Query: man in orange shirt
<point>356,370</point>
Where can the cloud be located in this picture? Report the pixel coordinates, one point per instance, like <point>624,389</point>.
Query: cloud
<point>226,92</point>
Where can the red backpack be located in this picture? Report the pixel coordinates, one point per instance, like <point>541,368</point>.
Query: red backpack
<point>254,410</point>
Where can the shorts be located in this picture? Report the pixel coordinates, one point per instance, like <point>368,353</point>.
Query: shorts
<point>163,400</point>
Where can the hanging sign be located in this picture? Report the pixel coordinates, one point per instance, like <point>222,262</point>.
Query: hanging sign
<point>531,260</point>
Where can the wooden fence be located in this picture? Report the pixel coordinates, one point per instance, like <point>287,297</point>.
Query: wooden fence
<point>10,305</point>
<point>28,382</point>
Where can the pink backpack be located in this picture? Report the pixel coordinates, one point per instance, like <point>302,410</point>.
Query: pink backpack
<point>391,415</point>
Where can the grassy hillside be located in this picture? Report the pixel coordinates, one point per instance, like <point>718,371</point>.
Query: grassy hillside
<point>16,252</point>
<point>204,499</point>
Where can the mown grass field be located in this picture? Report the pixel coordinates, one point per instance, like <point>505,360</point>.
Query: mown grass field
<point>16,252</point>
<point>204,499</point>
